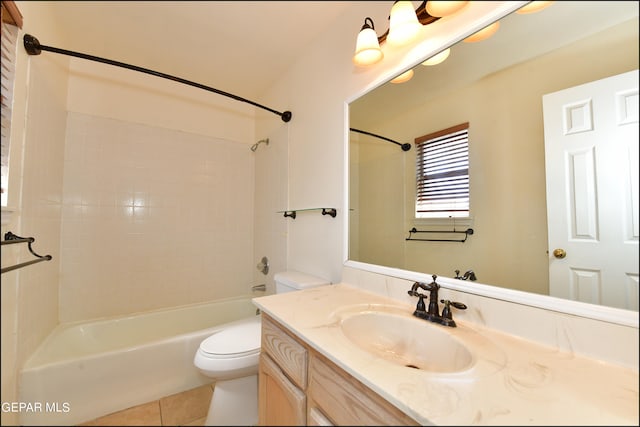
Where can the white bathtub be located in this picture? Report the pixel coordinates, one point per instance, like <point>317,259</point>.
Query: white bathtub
<point>85,370</point>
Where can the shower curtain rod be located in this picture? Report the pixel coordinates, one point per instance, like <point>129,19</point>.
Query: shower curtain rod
<point>33,47</point>
<point>405,147</point>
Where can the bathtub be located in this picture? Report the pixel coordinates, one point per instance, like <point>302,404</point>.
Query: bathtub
<point>86,370</point>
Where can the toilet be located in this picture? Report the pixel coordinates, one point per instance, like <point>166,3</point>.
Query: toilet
<point>230,357</point>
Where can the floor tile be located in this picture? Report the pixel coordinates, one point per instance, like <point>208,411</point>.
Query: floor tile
<point>186,407</point>
<point>147,414</point>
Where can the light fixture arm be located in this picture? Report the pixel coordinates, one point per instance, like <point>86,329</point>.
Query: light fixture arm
<point>33,47</point>
<point>405,147</point>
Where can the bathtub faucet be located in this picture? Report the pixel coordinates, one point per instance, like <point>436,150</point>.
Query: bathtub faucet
<point>261,287</point>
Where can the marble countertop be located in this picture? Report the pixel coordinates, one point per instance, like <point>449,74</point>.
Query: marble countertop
<point>511,381</point>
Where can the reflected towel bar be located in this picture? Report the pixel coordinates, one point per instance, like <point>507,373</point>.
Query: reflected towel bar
<point>10,239</point>
<point>466,233</point>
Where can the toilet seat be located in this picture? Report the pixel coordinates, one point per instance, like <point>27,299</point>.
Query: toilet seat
<point>232,352</point>
<point>238,340</point>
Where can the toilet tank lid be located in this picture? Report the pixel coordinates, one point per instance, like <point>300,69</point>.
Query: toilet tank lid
<point>298,280</point>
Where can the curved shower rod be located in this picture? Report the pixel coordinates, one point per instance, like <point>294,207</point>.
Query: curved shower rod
<point>33,47</point>
<point>405,147</point>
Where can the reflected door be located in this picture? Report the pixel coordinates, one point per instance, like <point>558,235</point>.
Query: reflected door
<point>591,149</point>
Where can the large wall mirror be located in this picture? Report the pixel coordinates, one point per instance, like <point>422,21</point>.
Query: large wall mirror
<point>497,86</point>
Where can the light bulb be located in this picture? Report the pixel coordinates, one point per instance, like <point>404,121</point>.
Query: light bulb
<point>404,77</point>
<point>533,7</point>
<point>403,23</point>
<point>439,8</point>
<point>484,33</point>
<point>367,47</point>
<point>437,59</point>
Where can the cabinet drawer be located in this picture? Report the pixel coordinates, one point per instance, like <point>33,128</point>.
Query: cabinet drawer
<point>346,401</point>
<point>285,350</point>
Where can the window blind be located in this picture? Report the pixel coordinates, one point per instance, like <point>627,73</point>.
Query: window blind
<point>9,38</point>
<point>442,173</point>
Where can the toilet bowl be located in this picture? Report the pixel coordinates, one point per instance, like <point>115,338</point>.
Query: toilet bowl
<point>233,352</point>
<point>230,356</point>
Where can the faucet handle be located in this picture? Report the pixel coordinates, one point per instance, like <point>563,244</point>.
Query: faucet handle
<point>446,311</point>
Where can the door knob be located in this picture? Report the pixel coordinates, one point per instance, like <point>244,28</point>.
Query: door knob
<point>559,253</point>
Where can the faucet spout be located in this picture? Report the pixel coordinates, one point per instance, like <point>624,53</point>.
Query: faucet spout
<point>433,288</point>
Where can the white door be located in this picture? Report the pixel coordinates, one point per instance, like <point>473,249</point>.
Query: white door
<point>591,149</point>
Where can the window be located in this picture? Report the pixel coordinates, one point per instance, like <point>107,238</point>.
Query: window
<point>11,20</point>
<point>442,173</point>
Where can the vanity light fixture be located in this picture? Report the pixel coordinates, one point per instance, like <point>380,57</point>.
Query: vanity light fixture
<point>444,8</point>
<point>367,47</point>
<point>534,6</point>
<point>403,24</point>
<point>483,34</point>
<point>437,59</point>
<point>404,77</point>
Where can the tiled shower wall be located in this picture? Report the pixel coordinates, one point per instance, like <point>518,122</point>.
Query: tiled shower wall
<point>152,218</point>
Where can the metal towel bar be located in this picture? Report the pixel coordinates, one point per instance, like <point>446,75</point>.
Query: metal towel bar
<point>10,239</point>
<point>466,233</point>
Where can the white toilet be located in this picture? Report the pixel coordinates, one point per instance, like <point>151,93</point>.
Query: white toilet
<point>230,356</point>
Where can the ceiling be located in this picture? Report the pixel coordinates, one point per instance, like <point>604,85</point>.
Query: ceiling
<point>240,47</point>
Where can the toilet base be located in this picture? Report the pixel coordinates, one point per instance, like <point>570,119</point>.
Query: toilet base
<point>234,403</point>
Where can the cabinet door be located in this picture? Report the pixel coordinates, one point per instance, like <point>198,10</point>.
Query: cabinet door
<point>343,400</point>
<point>285,351</point>
<point>280,402</point>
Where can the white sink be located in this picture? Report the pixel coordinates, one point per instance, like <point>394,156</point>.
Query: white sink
<point>407,341</point>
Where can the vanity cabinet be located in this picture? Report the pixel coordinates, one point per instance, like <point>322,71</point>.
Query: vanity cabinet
<point>282,377</point>
<point>299,386</point>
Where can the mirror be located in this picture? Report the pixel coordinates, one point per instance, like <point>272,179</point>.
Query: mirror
<point>497,86</point>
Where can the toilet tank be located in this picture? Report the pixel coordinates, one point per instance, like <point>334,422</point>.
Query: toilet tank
<point>288,281</point>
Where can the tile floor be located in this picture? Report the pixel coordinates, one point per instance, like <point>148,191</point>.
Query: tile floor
<point>188,408</point>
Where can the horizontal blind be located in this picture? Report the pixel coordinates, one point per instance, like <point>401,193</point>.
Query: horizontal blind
<point>442,172</point>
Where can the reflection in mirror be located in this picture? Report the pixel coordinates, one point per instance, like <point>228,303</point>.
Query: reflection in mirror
<point>497,86</point>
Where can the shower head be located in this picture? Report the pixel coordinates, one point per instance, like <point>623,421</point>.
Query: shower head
<point>254,147</point>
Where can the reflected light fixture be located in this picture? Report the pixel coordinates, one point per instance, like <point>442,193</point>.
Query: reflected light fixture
<point>437,59</point>
<point>404,77</point>
<point>403,23</point>
<point>533,7</point>
<point>444,8</point>
<point>484,33</point>
<point>367,47</point>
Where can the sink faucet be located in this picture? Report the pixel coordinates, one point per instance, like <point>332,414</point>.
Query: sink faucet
<point>468,275</point>
<point>432,314</point>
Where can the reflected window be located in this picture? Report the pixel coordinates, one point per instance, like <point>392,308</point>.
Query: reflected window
<point>442,173</point>
<point>9,37</point>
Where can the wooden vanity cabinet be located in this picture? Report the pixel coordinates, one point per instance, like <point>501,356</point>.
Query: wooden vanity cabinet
<point>299,386</point>
<point>344,400</point>
<point>282,377</point>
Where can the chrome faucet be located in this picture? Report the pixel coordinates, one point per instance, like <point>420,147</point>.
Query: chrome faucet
<point>432,314</point>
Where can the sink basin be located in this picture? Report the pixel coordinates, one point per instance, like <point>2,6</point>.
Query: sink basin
<point>407,341</point>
